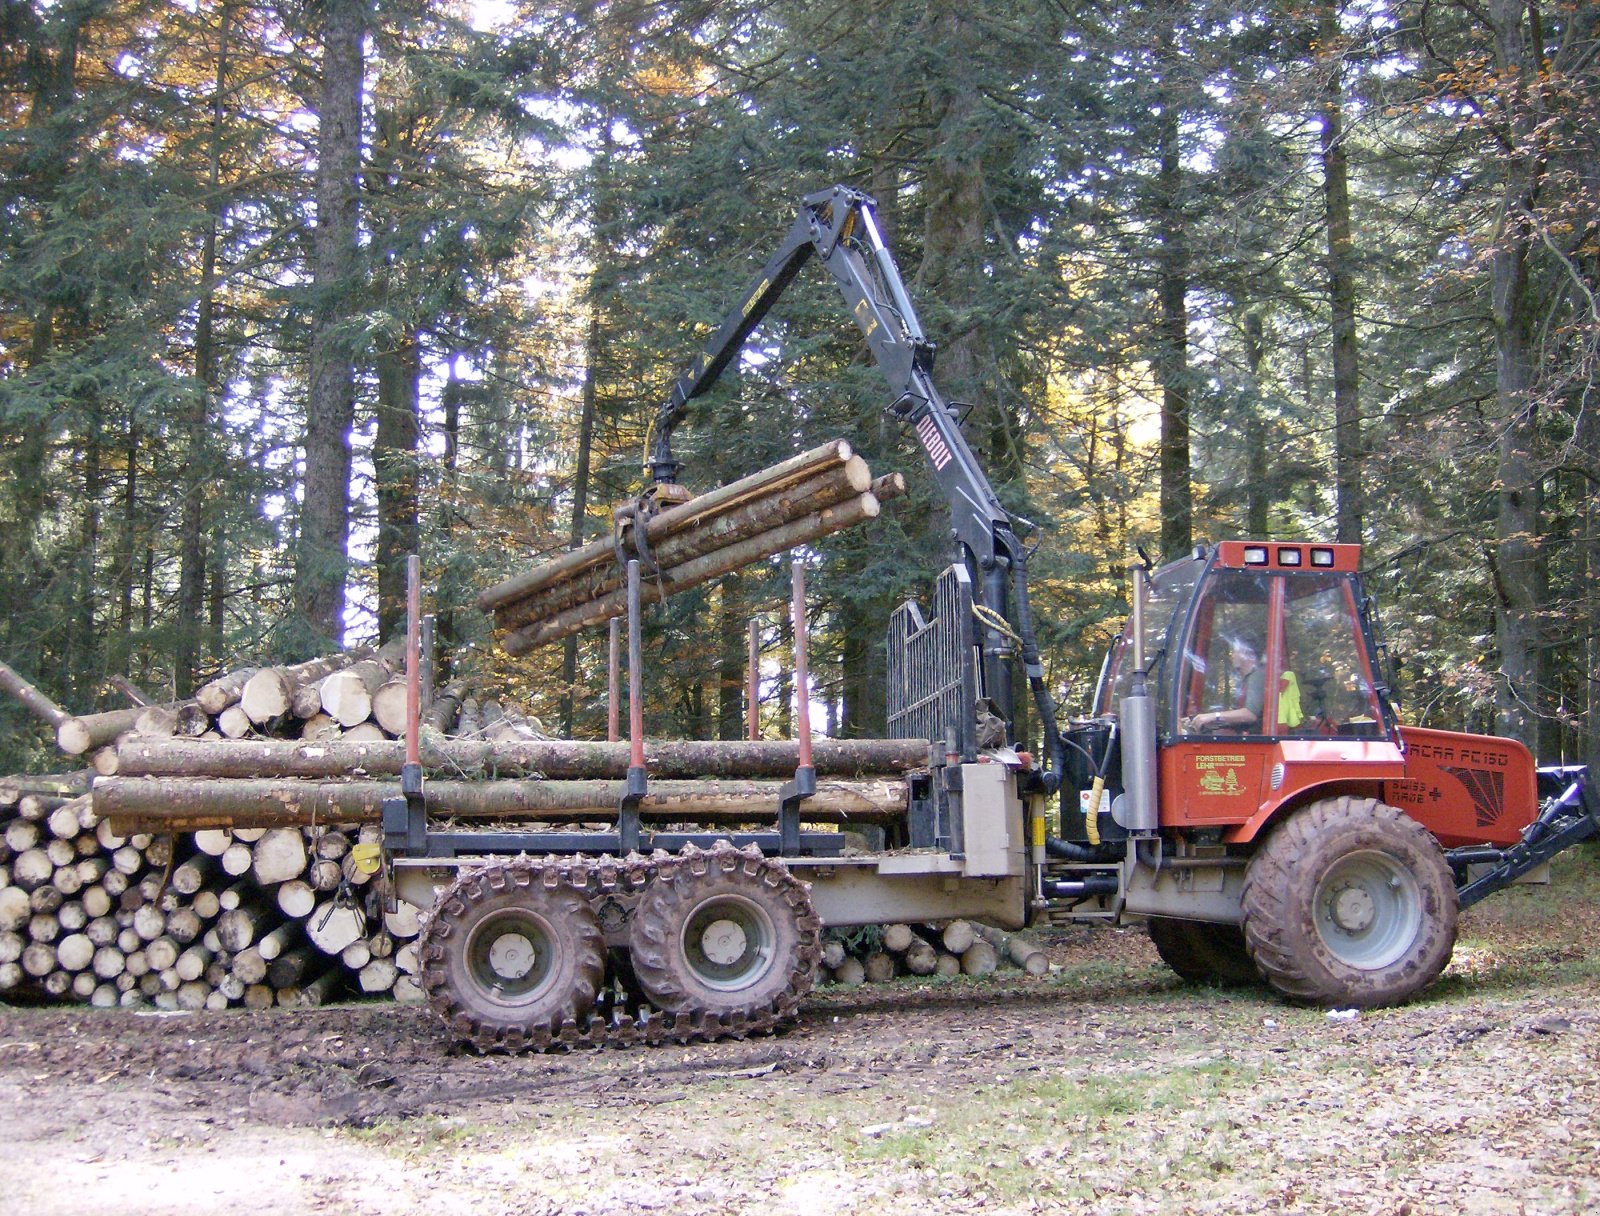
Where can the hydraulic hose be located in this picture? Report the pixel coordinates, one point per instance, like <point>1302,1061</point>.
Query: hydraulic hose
<point>1055,752</point>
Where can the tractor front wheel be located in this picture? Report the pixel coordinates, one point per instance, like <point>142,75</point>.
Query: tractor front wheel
<point>1349,902</point>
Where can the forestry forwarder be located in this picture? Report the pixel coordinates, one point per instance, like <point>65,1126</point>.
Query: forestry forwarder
<point>1243,783</point>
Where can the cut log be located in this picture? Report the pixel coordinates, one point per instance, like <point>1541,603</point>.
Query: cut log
<point>323,989</point>
<point>356,955</point>
<point>149,922</point>
<point>162,954</point>
<point>192,963</point>
<point>249,966</point>
<point>32,868</point>
<point>1015,948</point>
<point>897,938</point>
<point>232,723</point>
<point>306,702</point>
<point>192,874</point>
<point>948,966</point>
<point>207,905</point>
<point>281,939</point>
<point>956,936</point>
<point>389,707</point>
<point>549,758</point>
<point>72,916</point>
<point>332,928</point>
<point>347,694</point>
<point>34,701</point>
<point>258,997</point>
<point>279,856</point>
<point>758,484</point>
<point>407,990</point>
<point>404,921</point>
<point>213,841</point>
<point>320,728</point>
<point>296,898</point>
<point>325,875</point>
<point>75,736</point>
<point>879,967</point>
<point>75,952</point>
<point>176,804</point>
<point>921,958</point>
<point>365,732</point>
<point>44,927</point>
<point>184,925</point>
<point>237,930</point>
<point>978,959</point>
<point>850,973</point>
<point>237,859</point>
<point>378,976</point>
<point>22,835</point>
<point>441,715</point>
<point>224,690</point>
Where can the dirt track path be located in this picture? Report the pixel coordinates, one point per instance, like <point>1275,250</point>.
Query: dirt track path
<point>1103,1087</point>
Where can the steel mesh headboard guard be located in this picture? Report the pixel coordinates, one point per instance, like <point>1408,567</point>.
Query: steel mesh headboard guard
<point>932,667</point>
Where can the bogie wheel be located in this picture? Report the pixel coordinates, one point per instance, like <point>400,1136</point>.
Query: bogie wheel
<point>1202,952</point>
<point>509,957</point>
<point>1350,902</point>
<point>725,933</point>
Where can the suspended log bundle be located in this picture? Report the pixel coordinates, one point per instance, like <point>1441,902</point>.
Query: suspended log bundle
<point>798,501</point>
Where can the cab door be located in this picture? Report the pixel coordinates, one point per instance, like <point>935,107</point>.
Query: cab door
<point>1223,695</point>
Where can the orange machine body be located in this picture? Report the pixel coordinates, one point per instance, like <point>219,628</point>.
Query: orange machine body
<point>1284,628</point>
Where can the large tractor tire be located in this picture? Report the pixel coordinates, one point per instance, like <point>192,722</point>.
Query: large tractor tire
<point>509,958</point>
<point>725,933</point>
<point>1349,902</point>
<point>1202,952</point>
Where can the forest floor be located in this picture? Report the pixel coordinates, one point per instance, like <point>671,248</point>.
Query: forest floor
<point>1103,1087</point>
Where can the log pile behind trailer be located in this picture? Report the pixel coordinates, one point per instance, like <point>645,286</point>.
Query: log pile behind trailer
<point>796,502</point>
<point>879,953</point>
<point>223,918</point>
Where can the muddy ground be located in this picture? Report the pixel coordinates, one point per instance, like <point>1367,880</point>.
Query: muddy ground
<point>1104,1087</point>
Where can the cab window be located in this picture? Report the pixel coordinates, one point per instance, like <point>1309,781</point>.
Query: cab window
<point>1222,681</point>
<point>1166,599</point>
<point>1324,659</point>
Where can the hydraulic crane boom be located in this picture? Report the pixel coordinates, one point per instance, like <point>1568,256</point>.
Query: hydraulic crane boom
<point>838,227</point>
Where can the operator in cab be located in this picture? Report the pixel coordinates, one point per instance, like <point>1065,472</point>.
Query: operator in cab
<point>1249,699</point>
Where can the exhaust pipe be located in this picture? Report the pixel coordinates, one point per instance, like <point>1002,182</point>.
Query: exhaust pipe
<point>1140,808</point>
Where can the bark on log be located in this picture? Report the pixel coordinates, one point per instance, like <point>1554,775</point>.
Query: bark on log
<point>700,570</point>
<point>548,758</point>
<point>765,481</point>
<point>174,804</point>
<point>34,701</point>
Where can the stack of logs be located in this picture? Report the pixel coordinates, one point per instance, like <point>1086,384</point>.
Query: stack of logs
<point>958,947</point>
<point>357,696</point>
<point>777,509</point>
<point>249,917</point>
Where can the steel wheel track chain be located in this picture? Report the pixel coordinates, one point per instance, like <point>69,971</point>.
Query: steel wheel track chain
<point>596,879</point>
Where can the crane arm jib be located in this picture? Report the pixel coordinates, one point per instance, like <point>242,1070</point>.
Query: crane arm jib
<point>838,227</point>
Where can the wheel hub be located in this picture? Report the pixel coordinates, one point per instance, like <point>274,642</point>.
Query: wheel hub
<point>1368,909</point>
<point>1353,910</point>
<point>512,956</point>
<point>723,942</point>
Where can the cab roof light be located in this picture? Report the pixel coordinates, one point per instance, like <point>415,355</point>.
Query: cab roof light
<point>1322,557</point>
<point>1255,555</point>
<point>1289,557</point>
